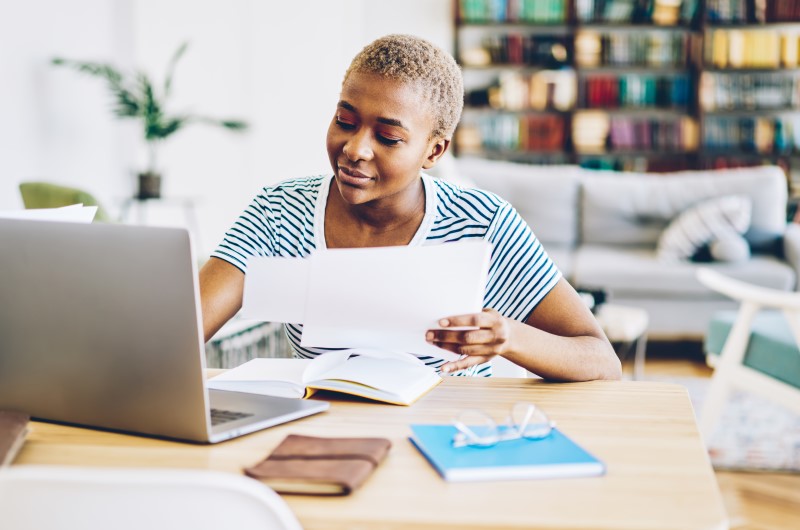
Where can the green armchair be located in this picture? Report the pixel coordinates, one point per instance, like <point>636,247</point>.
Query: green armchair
<point>47,195</point>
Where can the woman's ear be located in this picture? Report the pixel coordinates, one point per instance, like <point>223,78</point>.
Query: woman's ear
<point>437,149</point>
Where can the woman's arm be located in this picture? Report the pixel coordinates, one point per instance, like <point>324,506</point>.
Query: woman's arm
<point>221,287</point>
<point>561,340</point>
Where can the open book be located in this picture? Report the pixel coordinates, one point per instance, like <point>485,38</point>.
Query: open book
<point>391,377</point>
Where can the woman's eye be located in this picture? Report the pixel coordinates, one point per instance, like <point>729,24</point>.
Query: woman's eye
<point>344,125</point>
<point>388,141</point>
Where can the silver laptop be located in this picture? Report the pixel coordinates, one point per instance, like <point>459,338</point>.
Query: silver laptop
<point>100,326</point>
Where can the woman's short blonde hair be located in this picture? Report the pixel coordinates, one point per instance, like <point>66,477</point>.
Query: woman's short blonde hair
<point>415,60</point>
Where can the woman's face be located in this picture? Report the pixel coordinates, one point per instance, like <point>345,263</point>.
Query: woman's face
<point>380,138</point>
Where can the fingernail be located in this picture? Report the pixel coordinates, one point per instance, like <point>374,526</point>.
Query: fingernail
<point>444,322</point>
<point>429,336</point>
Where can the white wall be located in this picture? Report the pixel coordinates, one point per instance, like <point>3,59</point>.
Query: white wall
<point>278,65</point>
<point>56,125</point>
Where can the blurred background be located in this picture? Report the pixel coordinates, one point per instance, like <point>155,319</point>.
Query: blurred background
<point>276,65</point>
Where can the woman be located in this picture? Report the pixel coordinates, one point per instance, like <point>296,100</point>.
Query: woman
<point>400,102</point>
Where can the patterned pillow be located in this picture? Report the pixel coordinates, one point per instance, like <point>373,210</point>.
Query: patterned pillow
<point>704,222</point>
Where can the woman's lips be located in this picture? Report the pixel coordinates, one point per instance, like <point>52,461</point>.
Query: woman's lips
<point>352,176</point>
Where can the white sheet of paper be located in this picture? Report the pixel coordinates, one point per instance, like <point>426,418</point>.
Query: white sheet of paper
<point>275,289</point>
<point>75,213</point>
<point>388,297</point>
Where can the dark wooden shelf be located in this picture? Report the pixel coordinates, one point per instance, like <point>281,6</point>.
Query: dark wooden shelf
<point>521,112</point>
<point>749,111</point>
<point>751,25</point>
<point>632,69</point>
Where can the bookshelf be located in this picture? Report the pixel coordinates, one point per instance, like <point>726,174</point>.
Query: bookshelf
<point>646,85</point>
<point>748,85</point>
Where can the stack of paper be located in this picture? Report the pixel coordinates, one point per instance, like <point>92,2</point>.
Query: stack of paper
<point>75,213</point>
<point>384,298</point>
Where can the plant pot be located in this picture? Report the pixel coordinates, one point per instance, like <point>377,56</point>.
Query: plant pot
<point>149,186</point>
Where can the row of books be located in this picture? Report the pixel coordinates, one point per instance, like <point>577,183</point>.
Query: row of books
<point>538,11</point>
<point>752,11</point>
<point>781,10</point>
<point>652,49</point>
<point>640,164</point>
<point>661,12</point>
<point>748,91</point>
<point>518,48</point>
<point>598,132</point>
<point>735,10</point>
<point>764,135</point>
<point>512,132</point>
<point>542,90</point>
<point>751,48</point>
<point>634,91</point>
<point>644,134</point>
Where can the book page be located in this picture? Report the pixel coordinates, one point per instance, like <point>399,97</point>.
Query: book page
<point>386,379</point>
<point>270,377</point>
<point>319,368</point>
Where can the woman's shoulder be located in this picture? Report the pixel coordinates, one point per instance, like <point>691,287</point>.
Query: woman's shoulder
<point>303,190</point>
<point>296,185</point>
<point>457,198</point>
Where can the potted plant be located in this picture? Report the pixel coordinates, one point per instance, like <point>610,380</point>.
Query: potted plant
<point>135,96</point>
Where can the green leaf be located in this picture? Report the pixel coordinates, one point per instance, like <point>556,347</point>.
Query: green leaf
<point>171,67</point>
<point>106,71</point>
<point>235,125</point>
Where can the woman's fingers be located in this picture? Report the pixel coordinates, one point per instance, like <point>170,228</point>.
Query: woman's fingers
<point>473,336</point>
<point>486,319</point>
<point>464,363</point>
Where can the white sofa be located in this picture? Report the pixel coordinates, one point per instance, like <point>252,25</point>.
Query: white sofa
<point>601,229</point>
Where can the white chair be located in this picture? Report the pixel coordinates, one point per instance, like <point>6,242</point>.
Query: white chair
<point>730,370</point>
<point>78,498</point>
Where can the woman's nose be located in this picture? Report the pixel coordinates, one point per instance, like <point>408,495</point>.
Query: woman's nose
<point>358,146</point>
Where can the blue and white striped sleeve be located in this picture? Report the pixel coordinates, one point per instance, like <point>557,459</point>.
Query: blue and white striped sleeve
<point>253,234</point>
<point>520,271</point>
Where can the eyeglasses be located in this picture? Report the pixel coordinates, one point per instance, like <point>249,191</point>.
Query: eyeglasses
<point>478,429</point>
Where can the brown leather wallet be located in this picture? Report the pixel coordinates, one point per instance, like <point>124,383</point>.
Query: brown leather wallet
<point>320,466</point>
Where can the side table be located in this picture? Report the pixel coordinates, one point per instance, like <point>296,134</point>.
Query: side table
<point>139,207</point>
<point>626,328</point>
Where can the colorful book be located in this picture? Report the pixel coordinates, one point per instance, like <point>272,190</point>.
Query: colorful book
<point>556,456</point>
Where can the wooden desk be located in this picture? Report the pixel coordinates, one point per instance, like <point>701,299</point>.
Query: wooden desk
<point>659,476</point>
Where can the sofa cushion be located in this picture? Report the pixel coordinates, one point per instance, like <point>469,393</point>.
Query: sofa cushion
<point>707,221</point>
<point>629,271</point>
<point>545,196</point>
<point>730,247</point>
<point>633,208</point>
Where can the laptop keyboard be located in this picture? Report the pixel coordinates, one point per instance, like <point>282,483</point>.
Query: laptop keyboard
<point>223,416</point>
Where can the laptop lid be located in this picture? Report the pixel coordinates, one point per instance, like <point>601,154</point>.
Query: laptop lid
<point>100,326</point>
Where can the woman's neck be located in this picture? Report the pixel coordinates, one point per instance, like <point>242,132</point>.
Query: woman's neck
<point>389,221</point>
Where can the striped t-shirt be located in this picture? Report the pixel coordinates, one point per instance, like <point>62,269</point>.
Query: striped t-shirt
<point>287,220</point>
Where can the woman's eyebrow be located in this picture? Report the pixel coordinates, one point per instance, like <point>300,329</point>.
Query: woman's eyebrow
<point>388,121</point>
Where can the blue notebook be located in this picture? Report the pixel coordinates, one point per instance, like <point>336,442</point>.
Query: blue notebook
<point>556,456</point>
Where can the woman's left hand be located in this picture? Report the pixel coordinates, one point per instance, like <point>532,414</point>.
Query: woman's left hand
<point>492,337</point>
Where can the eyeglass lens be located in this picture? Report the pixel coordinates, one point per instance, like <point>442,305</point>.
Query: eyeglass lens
<point>530,421</point>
